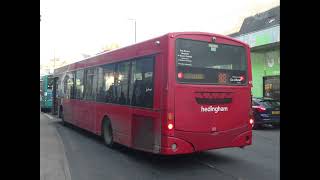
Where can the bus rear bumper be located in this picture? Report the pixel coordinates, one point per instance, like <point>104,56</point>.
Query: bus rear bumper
<point>191,142</point>
<point>173,145</point>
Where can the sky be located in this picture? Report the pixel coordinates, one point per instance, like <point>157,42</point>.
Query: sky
<point>70,28</point>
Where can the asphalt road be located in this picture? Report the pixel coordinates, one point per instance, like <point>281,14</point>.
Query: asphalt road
<point>89,159</point>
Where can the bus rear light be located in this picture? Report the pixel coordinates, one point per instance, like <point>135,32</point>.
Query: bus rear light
<point>170,126</point>
<point>251,121</point>
<point>180,75</point>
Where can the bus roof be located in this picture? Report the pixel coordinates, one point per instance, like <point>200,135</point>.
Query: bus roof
<point>98,57</point>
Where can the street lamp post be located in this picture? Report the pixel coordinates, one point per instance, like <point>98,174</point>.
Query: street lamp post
<point>54,58</point>
<point>135,29</point>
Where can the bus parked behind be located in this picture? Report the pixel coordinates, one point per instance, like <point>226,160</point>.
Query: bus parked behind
<point>46,93</point>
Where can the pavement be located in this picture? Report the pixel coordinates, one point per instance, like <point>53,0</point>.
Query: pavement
<point>53,160</point>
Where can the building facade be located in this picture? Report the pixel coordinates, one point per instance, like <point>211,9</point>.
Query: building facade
<point>262,33</point>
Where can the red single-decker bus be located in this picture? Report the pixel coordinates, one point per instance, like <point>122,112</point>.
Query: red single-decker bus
<point>175,94</point>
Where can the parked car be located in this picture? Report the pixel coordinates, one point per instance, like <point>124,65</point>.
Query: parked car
<point>266,111</point>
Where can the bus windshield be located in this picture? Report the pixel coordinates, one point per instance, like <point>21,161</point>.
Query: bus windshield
<point>50,82</point>
<point>201,62</point>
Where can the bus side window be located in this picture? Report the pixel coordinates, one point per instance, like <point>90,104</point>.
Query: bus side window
<point>121,83</point>
<point>137,93</point>
<point>105,88</point>
<point>90,84</point>
<point>68,86</point>
<point>79,84</point>
<point>141,86</point>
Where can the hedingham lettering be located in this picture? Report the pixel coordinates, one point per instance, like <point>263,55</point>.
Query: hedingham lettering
<point>214,109</point>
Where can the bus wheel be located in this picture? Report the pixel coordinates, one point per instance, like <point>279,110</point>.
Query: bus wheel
<point>107,133</point>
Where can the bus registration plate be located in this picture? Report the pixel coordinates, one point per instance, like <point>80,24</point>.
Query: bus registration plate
<point>275,112</point>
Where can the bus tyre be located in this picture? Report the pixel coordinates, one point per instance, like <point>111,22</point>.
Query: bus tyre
<point>107,133</point>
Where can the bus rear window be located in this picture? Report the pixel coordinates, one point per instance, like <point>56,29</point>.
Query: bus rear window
<point>200,62</point>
